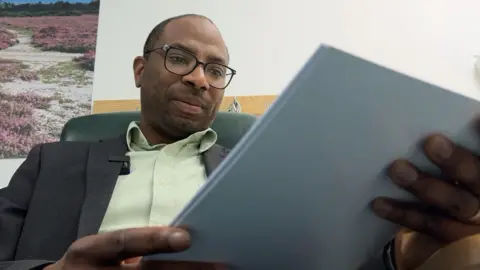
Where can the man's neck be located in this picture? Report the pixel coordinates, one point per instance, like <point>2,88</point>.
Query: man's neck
<point>152,136</point>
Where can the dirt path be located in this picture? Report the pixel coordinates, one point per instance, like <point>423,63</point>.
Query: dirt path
<point>69,87</point>
<point>25,51</point>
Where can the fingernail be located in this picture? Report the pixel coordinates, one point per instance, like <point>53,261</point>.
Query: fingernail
<point>381,208</point>
<point>442,148</point>
<point>403,174</point>
<point>179,240</point>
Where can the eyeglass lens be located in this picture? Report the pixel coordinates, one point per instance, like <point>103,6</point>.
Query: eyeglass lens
<point>182,63</point>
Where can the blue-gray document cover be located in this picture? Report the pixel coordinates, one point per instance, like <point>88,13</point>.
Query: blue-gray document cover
<point>295,192</point>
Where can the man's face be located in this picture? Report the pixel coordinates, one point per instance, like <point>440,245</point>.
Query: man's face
<point>174,105</point>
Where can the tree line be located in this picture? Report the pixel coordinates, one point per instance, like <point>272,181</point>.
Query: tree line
<point>59,8</point>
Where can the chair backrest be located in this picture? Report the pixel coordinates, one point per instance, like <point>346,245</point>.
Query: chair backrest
<point>230,127</point>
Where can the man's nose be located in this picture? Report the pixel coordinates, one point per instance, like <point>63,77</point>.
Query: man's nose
<point>197,79</point>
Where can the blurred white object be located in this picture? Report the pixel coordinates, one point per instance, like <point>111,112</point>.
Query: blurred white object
<point>235,106</point>
<point>477,64</point>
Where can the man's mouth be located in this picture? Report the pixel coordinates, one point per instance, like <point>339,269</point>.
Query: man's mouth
<point>188,107</point>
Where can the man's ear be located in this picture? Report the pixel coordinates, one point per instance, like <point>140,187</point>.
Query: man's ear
<point>138,68</point>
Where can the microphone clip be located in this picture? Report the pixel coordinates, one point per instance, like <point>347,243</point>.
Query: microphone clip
<point>125,160</point>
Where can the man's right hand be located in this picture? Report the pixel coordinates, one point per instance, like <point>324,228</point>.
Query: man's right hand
<point>109,250</point>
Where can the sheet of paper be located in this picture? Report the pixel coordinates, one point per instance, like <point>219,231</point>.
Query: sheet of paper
<point>295,192</point>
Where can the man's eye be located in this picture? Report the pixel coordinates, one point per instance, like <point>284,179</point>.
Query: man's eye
<point>216,72</point>
<point>177,59</point>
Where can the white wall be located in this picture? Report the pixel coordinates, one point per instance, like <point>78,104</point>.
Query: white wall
<point>434,40</point>
<point>7,169</point>
<point>269,40</point>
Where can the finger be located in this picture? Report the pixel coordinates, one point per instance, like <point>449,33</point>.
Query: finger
<point>455,161</point>
<point>113,247</point>
<point>454,200</point>
<point>406,215</point>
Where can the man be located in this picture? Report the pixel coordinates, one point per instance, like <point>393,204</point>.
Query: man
<point>69,191</point>
<point>68,207</point>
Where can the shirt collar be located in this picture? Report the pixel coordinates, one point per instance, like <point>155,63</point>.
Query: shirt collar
<point>136,141</point>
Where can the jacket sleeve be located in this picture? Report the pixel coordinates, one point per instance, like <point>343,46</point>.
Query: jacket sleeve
<point>14,202</point>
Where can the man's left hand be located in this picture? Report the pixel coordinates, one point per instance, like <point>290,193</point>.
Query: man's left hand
<point>449,207</point>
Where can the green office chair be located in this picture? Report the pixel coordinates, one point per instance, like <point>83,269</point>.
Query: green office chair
<point>230,127</point>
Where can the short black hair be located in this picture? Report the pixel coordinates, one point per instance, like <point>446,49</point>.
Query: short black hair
<point>158,30</point>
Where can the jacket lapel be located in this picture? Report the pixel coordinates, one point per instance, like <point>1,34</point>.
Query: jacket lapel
<point>213,157</point>
<point>101,177</point>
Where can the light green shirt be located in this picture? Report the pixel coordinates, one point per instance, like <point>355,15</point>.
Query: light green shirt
<point>162,179</point>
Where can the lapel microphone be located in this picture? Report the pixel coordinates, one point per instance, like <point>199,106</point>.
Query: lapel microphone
<point>125,160</point>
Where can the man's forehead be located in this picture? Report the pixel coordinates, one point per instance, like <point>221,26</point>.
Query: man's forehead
<point>197,35</point>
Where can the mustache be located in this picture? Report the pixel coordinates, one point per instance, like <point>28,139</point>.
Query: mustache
<point>189,97</point>
<point>192,101</point>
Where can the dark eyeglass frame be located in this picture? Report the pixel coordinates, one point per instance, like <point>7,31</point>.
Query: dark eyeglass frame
<point>165,48</point>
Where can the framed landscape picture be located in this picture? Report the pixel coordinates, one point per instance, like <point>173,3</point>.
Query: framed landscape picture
<point>47,57</point>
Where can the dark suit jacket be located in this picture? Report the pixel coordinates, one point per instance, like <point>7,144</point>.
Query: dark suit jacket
<point>59,194</point>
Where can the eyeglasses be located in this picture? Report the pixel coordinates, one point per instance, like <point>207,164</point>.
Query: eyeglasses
<point>182,62</point>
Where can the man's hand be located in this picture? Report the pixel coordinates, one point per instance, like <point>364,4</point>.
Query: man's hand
<point>450,205</point>
<point>111,250</point>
